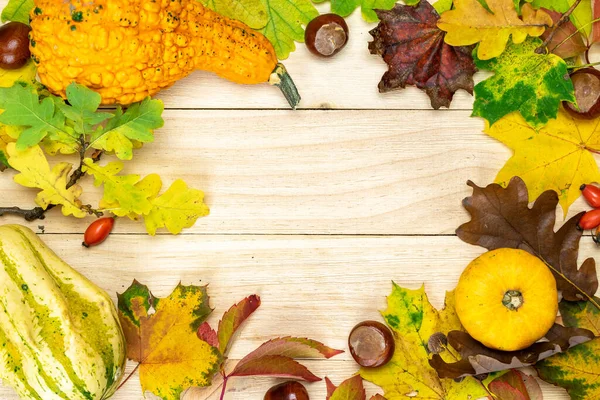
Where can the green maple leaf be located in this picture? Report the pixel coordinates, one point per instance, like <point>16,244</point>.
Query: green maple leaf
<point>251,12</point>
<point>533,84</point>
<point>124,129</point>
<point>578,369</point>
<point>178,208</point>
<point>414,320</point>
<point>119,189</point>
<point>346,7</point>
<point>22,107</point>
<point>18,11</point>
<point>285,23</point>
<point>82,109</point>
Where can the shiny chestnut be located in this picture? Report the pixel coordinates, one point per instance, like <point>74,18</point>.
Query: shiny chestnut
<point>371,344</point>
<point>586,82</point>
<point>326,35</point>
<point>14,45</point>
<point>290,390</point>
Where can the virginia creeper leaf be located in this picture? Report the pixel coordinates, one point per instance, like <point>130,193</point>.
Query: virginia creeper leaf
<point>286,19</point>
<point>82,109</point>
<point>556,157</point>
<point>136,124</point>
<point>413,47</point>
<point>501,217</point>
<point>275,366</point>
<point>577,370</point>
<point>469,23</point>
<point>18,11</point>
<point>477,359</point>
<point>119,189</point>
<point>504,391</point>
<point>567,42</point>
<point>413,321</point>
<point>515,385</point>
<point>350,389</point>
<point>22,107</point>
<point>233,318</point>
<point>251,12</point>
<point>208,334</point>
<point>36,173</point>
<point>595,37</point>
<point>177,208</point>
<point>161,336</point>
<point>533,84</point>
<point>367,7</point>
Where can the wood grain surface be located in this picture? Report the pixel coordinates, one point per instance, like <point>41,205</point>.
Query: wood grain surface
<point>315,210</point>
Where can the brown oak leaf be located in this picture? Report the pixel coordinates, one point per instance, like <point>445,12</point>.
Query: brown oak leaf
<point>501,217</point>
<point>413,46</point>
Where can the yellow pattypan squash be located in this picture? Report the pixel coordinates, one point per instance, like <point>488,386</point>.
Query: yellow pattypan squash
<point>507,299</point>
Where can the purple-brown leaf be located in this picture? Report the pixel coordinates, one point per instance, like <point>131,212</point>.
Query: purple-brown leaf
<point>378,397</point>
<point>501,217</point>
<point>515,385</point>
<point>292,347</point>
<point>208,334</point>
<point>477,359</point>
<point>275,366</point>
<point>413,46</point>
<point>504,391</point>
<point>233,318</point>
<point>350,389</point>
<point>567,42</point>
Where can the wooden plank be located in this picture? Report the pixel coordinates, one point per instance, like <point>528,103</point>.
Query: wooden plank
<point>317,286</point>
<point>312,172</point>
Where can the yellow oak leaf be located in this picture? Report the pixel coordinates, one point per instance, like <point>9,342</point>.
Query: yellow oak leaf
<point>557,157</point>
<point>150,185</point>
<point>179,207</point>
<point>469,23</point>
<point>408,375</point>
<point>35,172</point>
<point>161,336</point>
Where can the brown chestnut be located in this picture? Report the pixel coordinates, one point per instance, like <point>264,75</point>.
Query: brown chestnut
<point>14,45</point>
<point>326,35</point>
<point>371,344</point>
<point>290,390</point>
<point>586,82</point>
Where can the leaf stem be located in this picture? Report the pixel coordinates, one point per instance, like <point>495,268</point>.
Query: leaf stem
<point>542,49</point>
<point>225,379</point>
<point>584,66</point>
<point>575,33</point>
<point>129,376</point>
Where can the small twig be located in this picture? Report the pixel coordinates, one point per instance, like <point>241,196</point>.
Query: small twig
<point>28,214</point>
<point>129,376</point>
<point>564,18</point>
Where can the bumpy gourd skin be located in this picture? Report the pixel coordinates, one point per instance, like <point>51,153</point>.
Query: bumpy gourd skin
<point>129,49</point>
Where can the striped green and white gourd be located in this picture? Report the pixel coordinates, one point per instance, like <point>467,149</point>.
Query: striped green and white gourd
<point>60,337</point>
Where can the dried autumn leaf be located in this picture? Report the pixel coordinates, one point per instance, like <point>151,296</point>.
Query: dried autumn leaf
<point>516,384</point>
<point>208,334</point>
<point>275,358</point>
<point>524,81</point>
<point>577,370</point>
<point>477,359</point>
<point>177,208</point>
<point>567,42</point>
<point>233,318</point>
<point>35,172</point>
<point>350,389</point>
<point>501,217</point>
<point>413,320</point>
<point>556,157</point>
<point>469,23</point>
<point>504,391</point>
<point>161,336</point>
<point>413,47</point>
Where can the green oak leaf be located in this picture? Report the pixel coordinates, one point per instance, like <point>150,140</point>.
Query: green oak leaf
<point>22,107</point>
<point>414,320</point>
<point>251,12</point>
<point>286,19</point>
<point>533,84</point>
<point>82,109</point>
<point>124,129</point>
<point>578,369</point>
<point>346,7</point>
<point>18,11</point>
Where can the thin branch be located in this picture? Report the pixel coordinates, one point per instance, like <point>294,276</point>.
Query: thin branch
<point>129,376</point>
<point>564,18</point>
<point>28,214</point>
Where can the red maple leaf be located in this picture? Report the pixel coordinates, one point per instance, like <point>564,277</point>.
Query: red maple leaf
<point>413,46</point>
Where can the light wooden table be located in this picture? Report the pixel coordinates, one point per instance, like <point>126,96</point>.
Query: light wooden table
<point>316,210</point>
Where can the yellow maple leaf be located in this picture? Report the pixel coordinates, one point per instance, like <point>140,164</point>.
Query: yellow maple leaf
<point>469,23</point>
<point>35,172</point>
<point>557,157</point>
<point>161,336</point>
<point>179,207</point>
